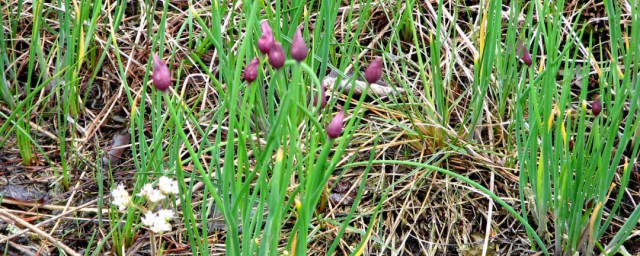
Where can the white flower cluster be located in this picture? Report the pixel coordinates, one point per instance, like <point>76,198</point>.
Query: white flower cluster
<point>151,194</point>
<point>166,185</point>
<point>121,197</point>
<point>158,222</point>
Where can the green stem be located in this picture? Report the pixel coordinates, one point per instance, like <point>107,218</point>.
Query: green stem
<point>231,222</point>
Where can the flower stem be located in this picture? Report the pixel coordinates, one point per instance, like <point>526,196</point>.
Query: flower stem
<point>153,243</point>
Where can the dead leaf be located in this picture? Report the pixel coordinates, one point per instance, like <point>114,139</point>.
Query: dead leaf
<point>22,194</point>
<point>118,146</point>
<point>340,194</point>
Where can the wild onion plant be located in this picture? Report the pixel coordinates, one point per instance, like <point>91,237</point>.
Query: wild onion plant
<point>574,159</point>
<point>269,135</point>
<point>575,162</point>
<point>256,164</point>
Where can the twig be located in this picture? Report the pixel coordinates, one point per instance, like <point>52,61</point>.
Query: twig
<point>52,207</point>
<point>66,207</point>
<point>49,207</point>
<point>23,249</point>
<point>10,217</point>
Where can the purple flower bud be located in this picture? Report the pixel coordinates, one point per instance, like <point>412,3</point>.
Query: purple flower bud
<point>526,58</point>
<point>334,129</point>
<point>299,49</point>
<point>265,42</point>
<point>161,75</point>
<point>251,71</point>
<point>596,106</point>
<point>374,71</point>
<point>321,96</point>
<point>276,55</point>
<point>524,53</point>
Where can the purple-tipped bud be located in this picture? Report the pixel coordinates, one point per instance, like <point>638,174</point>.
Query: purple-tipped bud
<point>374,71</point>
<point>276,55</point>
<point>299,49</point>
<point>334,129</point>
<point>251,71</point>
<point>526,58</point>
<point>320,97</point>
<point>596,106</point>
<point>161,75</point>
<point>265,42</point>
<point>524,53</point>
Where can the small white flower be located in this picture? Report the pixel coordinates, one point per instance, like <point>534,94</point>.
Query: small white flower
<point>121,197</point>
<point>161,226</point>
<point>149,218</point>
<point>168,186</point>
<point>165,214</point>
<point>146,190</point>
<point>155,196</point>
<point>157,222</point>
<point>151,194</point>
